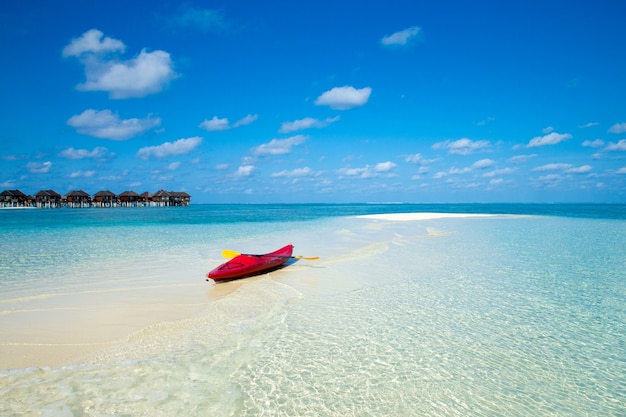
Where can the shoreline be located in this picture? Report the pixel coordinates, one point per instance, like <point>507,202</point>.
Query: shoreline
<point>64,327</point>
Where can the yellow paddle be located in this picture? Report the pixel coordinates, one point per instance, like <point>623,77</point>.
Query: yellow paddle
<point>227,253</point>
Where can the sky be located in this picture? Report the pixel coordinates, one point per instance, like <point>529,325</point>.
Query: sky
<point>316,101</point>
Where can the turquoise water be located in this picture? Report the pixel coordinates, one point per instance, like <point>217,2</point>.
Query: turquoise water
<point>516,316</point>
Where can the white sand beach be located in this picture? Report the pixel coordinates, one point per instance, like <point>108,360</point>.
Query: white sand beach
<point>403,217</point>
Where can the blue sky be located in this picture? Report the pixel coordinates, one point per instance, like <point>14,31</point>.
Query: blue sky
<point>316,101</point>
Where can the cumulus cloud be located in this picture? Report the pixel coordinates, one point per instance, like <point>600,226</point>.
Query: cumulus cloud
<point>593,143</point>
<point>106,125</point>
<point>97,153</point>
<point>553,167</point>
<point>245,171</point>
<point>298,172</point>
<point>414,159</point>
<point>566,168</point>
<point>402,37</point>
<point>549,139</point>
<point>344,98</point>
<point>521,159</point>
<point>579,170</point>
<point>279,146</point>
<point>462,146</point>
<point>92,41</point>
<point>306,123</point>
<point>619,146</point>
<point>82,174</point>
<point>618,128</point>
<point>384,166</point>
<point>179,147</point>
<point>483,163</point>
<point>217,124</point>
<point>502,171</point>
<point>39,167</point>
<point>368,171</point>
<point>147,73</point>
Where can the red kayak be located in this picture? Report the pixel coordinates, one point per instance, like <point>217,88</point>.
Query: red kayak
<point>244,265</point>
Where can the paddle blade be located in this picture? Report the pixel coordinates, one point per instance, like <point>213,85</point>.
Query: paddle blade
<point>227,253</point>
<point>310,258</point>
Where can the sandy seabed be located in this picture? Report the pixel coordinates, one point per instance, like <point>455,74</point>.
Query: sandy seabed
<point>56,325</point>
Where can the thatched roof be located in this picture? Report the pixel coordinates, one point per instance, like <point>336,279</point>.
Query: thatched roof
<point>77,193</point>
<point>48,193</point>
<point>13,193</point>
<point>104,193</point>
<point>129,194</point>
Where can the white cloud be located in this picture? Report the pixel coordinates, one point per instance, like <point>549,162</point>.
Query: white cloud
<point>549,139</point>
<point>619,146</point>
<point>246,120</point>
<point>462,146</point>
<point>521,159</point>
<point>401,38</point>
<point>92,42</point>
<point>217,124</point>
<point>106,125</point>
<point>179,147</point>
<point>622,170</point>
<point>147,73</point>
<point>553,167</point>
<point>502,171</point>
<point>368,171</point>
<point>483,163</point>
<point>298,172</point>
<point>550,180</point>
<point>245,171</point>
<point>547,130</point>
<point>566,168</point>
<point>173,166</point>
<point>618,128</point>
<point>593,143</point>
<point>82,174</point>
<point>279,146</point>
<point>384,166</point>
<point>414,159</point>
<point>590,124</point>
<point>344,98</point>
<point>39,167</point>
<point>579,170</point>
<point>97,153</point>
<point>306,123</point>
<point>221,167</point>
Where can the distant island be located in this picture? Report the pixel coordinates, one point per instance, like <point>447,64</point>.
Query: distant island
<point>81,199</point>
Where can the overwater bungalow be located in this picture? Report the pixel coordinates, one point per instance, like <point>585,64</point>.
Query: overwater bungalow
<point>104,198</point>
<point>77,199</point>
<point>15,198</point>
<point>48,199</point>
<point>129,199</point>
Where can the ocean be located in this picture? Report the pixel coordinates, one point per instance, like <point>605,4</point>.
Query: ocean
<point>519,313</point>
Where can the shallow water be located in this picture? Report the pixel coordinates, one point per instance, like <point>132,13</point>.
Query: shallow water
<point>494,316</point>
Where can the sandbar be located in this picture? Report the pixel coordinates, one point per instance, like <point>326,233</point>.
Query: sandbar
<point>400,217</point>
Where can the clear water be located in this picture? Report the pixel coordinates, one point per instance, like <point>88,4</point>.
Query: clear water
<point>510,316</point>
